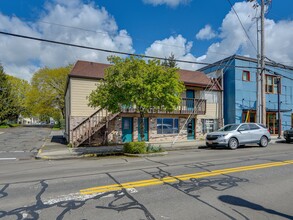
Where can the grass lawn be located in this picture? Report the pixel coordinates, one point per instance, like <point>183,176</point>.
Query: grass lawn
<point>8,125</point>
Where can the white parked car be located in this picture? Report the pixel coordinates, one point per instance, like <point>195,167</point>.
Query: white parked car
<point>233,135</point>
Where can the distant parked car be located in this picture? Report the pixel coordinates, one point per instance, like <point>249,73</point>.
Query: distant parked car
<point>288,135</point>
<point>233,135</point>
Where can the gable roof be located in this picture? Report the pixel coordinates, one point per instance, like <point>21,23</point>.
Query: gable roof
<point>92,70</point>
<point>85,69</point>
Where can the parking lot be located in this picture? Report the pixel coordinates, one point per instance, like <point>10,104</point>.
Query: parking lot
<point>21,142</point>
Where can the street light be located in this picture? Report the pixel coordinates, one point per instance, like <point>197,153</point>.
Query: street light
<point>279,104</point>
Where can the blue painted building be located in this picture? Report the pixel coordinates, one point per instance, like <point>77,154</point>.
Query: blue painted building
<point>239,82</point>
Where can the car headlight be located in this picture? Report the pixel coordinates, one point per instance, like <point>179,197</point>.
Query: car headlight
<point>223,135</point>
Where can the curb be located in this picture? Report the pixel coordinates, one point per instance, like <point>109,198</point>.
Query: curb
<point>74,154</point>
<point>181,148</point>
<point>39,152</point>
<point>147,155</point>
<point>58,157</point>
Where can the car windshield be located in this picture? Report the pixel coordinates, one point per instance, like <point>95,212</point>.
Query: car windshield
<point>229,127</point>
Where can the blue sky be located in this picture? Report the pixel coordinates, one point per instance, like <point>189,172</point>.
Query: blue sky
<point>199,31</point>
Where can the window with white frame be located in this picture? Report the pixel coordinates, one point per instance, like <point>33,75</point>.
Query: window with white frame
<point>271,84</point>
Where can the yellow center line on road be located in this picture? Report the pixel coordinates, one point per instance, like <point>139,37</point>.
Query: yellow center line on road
<point>172,179</point>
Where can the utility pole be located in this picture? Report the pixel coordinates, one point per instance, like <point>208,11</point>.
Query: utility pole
<point>260,72</point>
<point>258,78</point>
<point>262,64</point>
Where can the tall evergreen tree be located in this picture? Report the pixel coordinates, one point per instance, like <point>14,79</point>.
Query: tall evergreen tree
<point>8,109</point>
<point>19,90</point>
<point>170,61</point>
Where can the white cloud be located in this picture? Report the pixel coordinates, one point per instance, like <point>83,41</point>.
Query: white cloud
<point>233,40</point>
<point>23,57</point>
<point>206,33</point>
<point>174,45</point>
<point>278,37</point>
<point>278,42</point>
<point>171,3</point>
<point>233,37</point>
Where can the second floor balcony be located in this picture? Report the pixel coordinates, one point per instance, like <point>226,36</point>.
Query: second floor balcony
<point>187,106</point>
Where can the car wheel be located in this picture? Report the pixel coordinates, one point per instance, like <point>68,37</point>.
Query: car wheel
<point>288,140</point>
<point>263,141</point>
<point>233,143</point>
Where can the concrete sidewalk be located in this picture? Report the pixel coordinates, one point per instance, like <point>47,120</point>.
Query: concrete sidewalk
<point>56,148</point>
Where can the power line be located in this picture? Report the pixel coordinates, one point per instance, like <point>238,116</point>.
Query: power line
<point>242,25</point>
<point>274,64</point>
<point>110,51</point>
<point>98,49</point>
<point>104,33</point>
<point>278,74</point>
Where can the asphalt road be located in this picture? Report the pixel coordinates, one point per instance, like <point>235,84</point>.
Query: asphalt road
<point>21,142</point>
<point>193,184</point>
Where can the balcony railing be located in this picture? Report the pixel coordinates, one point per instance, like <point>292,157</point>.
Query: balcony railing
<point>187,106</point>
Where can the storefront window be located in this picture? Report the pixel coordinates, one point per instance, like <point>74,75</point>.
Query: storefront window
<point>249,116</point>
<point>167,126</point>
<point>209,125</point>
<point>272,122</point>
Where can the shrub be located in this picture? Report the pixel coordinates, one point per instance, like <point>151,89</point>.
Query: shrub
<point>6,124</point>
<point>154,149</point>
<point>62,123</point>
<point>135,148</point>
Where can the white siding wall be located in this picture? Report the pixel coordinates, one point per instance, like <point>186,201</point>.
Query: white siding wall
<point>212,111</point>
<point>80,90</point>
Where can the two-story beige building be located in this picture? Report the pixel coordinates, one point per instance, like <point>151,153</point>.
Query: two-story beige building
<point>200,111</point>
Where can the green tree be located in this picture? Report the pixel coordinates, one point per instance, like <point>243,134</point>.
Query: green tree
<point>8,107</point>
<point>19,90</point>
<point>46,95</point>
<point>135,82</point>
<point>170,61</point>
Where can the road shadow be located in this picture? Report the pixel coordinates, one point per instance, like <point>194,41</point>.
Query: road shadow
<point>2,191</point>
<point>227,148</point>
<point>192,186</point>
<point>236,201</point>
<point>120,201</point>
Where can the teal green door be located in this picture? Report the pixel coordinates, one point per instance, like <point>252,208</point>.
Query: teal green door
<point>146,129</point>
<point>190,99</point>
<point>190,129</point>
<point>127,129</point>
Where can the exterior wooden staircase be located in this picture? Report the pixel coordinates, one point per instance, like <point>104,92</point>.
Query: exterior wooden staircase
<point>88,127</point>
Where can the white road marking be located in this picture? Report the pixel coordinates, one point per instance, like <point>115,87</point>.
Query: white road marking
<point>1,132</point>
<point>12,158</point>
<point>80,197</point>
<point>16,151</point>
